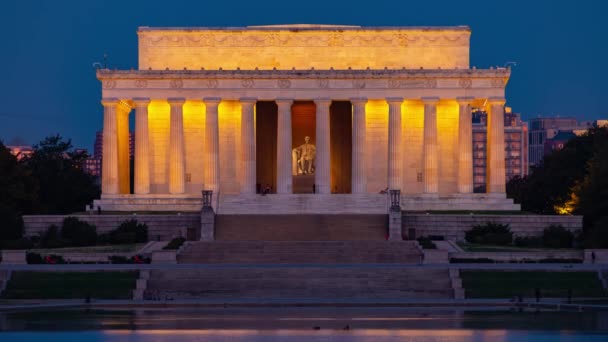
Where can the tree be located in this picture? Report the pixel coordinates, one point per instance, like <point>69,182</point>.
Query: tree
<point>17,194</point>
<point>549,185</point>
<point>64,186</point>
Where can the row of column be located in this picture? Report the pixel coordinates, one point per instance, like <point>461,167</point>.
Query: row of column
<point>116,112</point>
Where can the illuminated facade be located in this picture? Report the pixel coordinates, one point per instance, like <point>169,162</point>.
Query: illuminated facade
<point>225,109</point>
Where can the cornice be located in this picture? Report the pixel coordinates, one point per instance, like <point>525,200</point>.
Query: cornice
<point>105,74</point>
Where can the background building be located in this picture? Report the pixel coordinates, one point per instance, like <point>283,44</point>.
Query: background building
<point>20,151</point>
<point>548,134</point>
<point>516,147</point>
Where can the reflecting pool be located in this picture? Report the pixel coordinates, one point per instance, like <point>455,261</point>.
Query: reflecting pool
<point>303,324</point>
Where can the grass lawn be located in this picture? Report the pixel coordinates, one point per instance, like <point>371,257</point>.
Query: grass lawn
<point>92,249</point>
<point>70,285</point>
<point>497,284</point>
<point>473,247</point>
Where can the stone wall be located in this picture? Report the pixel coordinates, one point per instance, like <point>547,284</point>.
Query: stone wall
<point>164,226</point>
<point>453,227</point>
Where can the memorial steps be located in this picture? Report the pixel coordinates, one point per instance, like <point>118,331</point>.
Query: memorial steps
<point>299,252</point>
<point>300,284</point>
<point>300,272</point>
<point>303,227</point>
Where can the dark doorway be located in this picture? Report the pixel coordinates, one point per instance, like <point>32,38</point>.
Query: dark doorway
<point>266,145</point>
<point>340,121</point>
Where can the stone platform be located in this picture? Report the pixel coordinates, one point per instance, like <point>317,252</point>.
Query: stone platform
<point>304,203</point>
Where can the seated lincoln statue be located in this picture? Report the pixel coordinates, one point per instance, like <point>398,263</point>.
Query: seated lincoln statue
<point>303,158</point>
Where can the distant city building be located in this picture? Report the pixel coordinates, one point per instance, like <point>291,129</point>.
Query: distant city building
<point>21,151</point>
<point>548,134</point>
<point>516,147</point>
<point>98,145</point>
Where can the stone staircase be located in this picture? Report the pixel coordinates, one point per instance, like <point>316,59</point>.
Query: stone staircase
<point>302,204</point>
<point>301,227</point>
<point>300,252</point>
<point>300,283</point>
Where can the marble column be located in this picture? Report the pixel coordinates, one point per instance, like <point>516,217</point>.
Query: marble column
<point>212,145</point>
<point>322,161</point>
<point>142,152</point>
<point>284,176</point>
<point>248,145</point>
<point>359,172</point>
<point>176,147</point>
<point>394,143</point>
<point>431,146</point>
<point>465,146</point>
<point>109,171</point>
<point>122,127</point>
<point>495,172</point>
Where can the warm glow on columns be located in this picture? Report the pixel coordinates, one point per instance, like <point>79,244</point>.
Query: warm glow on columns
<point>142,152</point>
<point>323,167</point>
<point>359,174</point>
<point>109,172</point>
<point>394,142</point>
<point>248,145</point>
<point>176,147</point>
<point>431,147</point>
<point>212,148</point>
<point>122,127</point>
<point>284,175</point>
<point>465,148</point>
<point>495,173</point>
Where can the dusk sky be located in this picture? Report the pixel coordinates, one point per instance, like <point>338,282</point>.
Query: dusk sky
<point>48,83</point>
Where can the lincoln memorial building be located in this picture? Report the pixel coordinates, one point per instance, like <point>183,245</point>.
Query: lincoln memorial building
<point>297,119</point>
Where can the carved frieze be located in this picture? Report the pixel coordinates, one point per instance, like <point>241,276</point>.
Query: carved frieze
<point>109,84</point>
<point>247,83</point>
<point>465,83</point>
<point>212,83</point>
<point>499,82</point>
<point>176,84</point>
<point>284,83</point>
<point>260,39</point>
<point>358,84</point>
<point>141,83</point>
<point>323,83</point>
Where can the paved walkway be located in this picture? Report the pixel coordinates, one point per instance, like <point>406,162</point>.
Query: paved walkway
<point>465,304</point>
<point>138,267</point>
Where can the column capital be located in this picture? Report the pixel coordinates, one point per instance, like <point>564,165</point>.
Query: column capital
<point>109,101</point>
<point>212,100</point>
<point>251,100</point>
<point>141,101</point>
<point>358,100</point>
<point>322,101</point>
<point>430,100</point>
<point>176,101</point>
<point>465,100</point>
<point>398,100</point>
<point>496,100</point>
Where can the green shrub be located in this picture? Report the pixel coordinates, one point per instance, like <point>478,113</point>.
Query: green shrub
<point>176,243</point>
<point>426,243</point>
<point>556,236</point>
<point>78,233</point>
<point>23,243</point>
<point>129,231</point>
<point>596,236</point>
<point>51,238</point>
<point>528,241</point>
<point>34,258</point>
<point>490,234</point>
<point>11,224</point>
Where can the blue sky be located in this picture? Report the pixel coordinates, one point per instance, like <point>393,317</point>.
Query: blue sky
<point>48,84</point>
